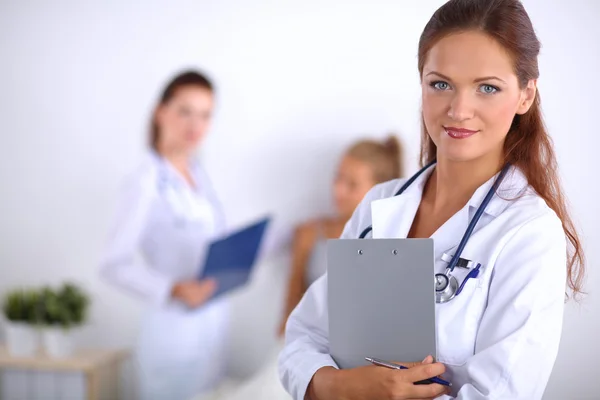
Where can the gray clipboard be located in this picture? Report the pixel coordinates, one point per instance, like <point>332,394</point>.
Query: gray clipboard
<point>381,299</point>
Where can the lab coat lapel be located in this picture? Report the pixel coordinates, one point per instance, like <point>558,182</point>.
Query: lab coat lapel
<point>393,217</point>
<point>447,237</point>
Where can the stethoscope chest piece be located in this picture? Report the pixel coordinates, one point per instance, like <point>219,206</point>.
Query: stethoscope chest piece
<point>445,288</point>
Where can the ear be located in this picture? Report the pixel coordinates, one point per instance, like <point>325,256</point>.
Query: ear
<point>527,97</point>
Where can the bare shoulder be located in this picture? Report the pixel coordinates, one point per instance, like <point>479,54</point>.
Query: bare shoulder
<point>306,233</point>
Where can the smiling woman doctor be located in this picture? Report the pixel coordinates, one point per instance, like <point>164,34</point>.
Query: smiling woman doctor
<point>168,214</point>
<point>498,338</point>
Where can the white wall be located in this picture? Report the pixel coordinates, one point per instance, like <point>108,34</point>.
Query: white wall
<point>297,81</point>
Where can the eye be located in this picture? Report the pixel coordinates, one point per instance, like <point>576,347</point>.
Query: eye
<point>488,89</point>
<point>440,85</point>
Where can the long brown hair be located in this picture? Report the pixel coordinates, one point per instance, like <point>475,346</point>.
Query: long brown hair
<point>186,78</point>
<point>528,145</point>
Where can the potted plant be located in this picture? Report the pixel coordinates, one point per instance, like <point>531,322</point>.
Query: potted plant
<point>63,311</point>
<point>21,311</point>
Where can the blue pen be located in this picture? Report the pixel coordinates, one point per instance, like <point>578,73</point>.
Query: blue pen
<point>391,365</point>
<point>472,274</point>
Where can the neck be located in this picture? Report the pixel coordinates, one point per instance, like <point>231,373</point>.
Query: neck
<point>452,184</point>
<point>180,160</point>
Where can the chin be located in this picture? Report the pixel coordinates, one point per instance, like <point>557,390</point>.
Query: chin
<point>458,152</point>
<point>191,144</point>
<point>189,147</point>
<point>340,209</point>
<point>461,157</point>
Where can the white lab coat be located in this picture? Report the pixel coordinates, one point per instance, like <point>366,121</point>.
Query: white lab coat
<point>499,338</point>
<point>159,237</point>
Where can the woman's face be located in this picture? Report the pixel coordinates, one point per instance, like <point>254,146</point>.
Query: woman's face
<point>470,96</point>
<point>184,119</point>
<point>353,180</point>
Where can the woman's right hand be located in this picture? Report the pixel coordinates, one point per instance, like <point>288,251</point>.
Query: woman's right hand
<point>194,293</point>
<point>377,383</point>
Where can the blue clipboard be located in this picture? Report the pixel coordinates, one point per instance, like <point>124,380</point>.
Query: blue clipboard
<point>230,260</point>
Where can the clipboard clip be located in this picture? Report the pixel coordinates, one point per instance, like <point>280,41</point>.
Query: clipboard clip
<point>394,252</point>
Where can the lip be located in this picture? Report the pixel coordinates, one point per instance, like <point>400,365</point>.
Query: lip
<point>459,133</point>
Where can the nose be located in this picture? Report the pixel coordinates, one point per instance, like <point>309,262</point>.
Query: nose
<point>461,107</point>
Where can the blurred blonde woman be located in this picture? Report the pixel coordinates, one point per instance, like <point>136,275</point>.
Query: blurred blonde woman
<point>363,165</point>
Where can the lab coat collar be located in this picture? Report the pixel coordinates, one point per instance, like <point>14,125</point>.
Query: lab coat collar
<point>393,216</point>
<point>402,209</point>
<point>168,174</point>
<point>513,185</point>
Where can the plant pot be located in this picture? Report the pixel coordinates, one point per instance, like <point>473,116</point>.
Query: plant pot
<point>22,340</point>
<point>59,342</point>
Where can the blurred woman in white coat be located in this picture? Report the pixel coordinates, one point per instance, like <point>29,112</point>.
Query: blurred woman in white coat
<point>498,337</point>
<point>167,215</point>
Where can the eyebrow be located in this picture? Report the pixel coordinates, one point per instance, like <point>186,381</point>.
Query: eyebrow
<point>484,78</point>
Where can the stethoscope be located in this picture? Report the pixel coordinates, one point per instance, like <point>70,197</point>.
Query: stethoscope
<point>446,284</point>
